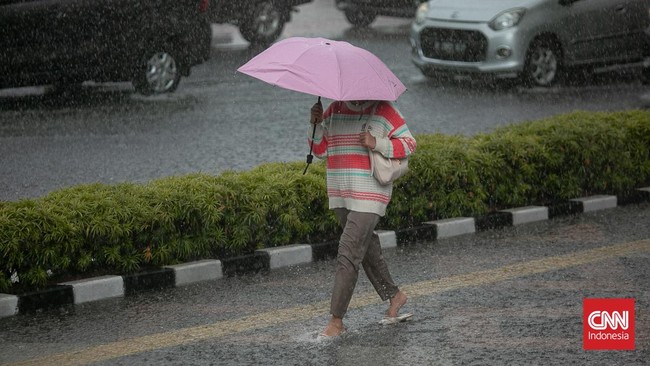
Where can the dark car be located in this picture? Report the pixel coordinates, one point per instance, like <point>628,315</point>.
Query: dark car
<point>259,21</point>
<point>361,13</point>
<point>66,42</point>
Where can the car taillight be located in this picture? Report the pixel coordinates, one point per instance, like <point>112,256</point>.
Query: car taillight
<point>204,5</point>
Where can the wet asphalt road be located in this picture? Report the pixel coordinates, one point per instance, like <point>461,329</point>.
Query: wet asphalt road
<point>506,297</point>
<point>221,120</point>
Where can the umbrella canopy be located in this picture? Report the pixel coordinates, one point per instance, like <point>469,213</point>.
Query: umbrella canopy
<point>332,69</point>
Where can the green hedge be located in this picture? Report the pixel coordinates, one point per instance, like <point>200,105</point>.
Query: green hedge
<point>538,162</point>
<point>120,228</point>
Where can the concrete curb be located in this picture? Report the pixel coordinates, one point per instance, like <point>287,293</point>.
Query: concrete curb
<point>387,238</point>
<point>203,270</point>
<point>447,228</point>
<point>288,255</point>
<point>264,260</point>
<point>96,288</point>
<point>525,215</point>
<point>8,305</point>
<point>595,203</point>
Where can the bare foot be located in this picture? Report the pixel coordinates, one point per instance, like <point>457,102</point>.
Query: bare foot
<point>396,303</point>
<point>334,328</point>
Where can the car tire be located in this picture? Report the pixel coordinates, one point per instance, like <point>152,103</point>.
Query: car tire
<point>359,18</point>
<point>543,63</point>
<point>264,23</point>
<point>159,73</point>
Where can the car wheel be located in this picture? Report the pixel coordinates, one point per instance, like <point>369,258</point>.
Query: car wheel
<point>159,74</point>
<point>264,23</point>
<point>543,62</point>
<point>359,18</point>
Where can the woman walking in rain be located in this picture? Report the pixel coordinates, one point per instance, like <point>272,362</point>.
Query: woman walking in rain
<point>343,134</point>
<point>362,118</point>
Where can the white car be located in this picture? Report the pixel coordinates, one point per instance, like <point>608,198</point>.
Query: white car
<point>536,40</point>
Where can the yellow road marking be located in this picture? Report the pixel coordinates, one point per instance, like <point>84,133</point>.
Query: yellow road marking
<point>275,317</point>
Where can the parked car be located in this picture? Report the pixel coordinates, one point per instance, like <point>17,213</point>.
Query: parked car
<point>361,13</point>
<point>535,40</point>
<point>259,21</point>
<point>66,42</point>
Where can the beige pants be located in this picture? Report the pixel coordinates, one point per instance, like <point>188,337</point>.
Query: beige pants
<point>359,246</point>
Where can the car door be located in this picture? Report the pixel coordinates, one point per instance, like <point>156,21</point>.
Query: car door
<point>133,27</point>
<point>92,28</point>
<point>100,37</point>
<point>29,41</point>
<point>597,30</point>
<point>126,27</point>
<point>73,31</point>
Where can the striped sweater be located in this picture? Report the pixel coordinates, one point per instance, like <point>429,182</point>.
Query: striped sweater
<point>350,183</point>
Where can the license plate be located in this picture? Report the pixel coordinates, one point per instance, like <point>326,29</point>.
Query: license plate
<point>450,47</point>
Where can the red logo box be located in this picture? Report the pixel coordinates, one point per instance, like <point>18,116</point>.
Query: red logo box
<point>608,324</point>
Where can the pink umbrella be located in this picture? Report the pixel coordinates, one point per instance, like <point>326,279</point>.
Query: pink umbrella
<point>333,69</point>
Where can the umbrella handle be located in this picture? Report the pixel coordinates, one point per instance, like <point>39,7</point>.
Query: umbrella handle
<point>310,157</point>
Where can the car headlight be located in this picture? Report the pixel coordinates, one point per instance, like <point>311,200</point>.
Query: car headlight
<point>507,19</point>
<point>421,13</point>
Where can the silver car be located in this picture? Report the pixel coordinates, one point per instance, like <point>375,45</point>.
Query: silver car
<point>532,39</point>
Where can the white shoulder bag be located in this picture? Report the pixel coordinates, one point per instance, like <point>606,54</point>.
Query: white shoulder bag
<point>385,170</point>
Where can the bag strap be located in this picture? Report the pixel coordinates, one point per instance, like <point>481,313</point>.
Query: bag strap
<point>367,129</point>
<point>372,113</point>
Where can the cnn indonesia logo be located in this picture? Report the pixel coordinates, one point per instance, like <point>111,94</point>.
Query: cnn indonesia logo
<point>608,324</point>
